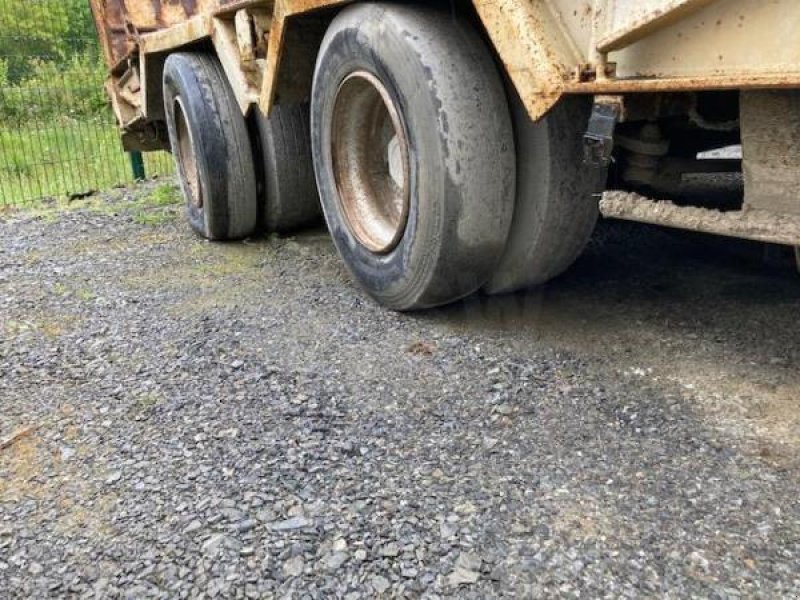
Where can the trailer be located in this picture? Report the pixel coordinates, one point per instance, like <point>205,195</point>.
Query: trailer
<point>455,146</point>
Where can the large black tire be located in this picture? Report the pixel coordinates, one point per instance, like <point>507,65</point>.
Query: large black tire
<point>211,145</point>
<point>437,75</point>
<point>288,198</point>
<point>555,210</point>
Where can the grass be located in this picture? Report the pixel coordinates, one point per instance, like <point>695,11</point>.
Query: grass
<point>153,218</point>
<point>158,207</point>
<point>62,159</point>
<point>146,205</point>
<point>163,195</point>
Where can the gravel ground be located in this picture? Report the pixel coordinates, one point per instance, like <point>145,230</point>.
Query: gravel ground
<point>203,420</point>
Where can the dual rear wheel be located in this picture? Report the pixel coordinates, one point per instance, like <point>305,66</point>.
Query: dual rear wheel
<point>237,177</point>
<point>433,182</point>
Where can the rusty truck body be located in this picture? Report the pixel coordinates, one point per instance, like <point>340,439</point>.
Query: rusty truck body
<point>462,145</point>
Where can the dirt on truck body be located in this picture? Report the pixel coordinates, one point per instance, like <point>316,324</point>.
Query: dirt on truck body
<point>466,145</point>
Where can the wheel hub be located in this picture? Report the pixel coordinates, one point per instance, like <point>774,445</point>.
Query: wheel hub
<point>370,162</point>
<point>186,156</point>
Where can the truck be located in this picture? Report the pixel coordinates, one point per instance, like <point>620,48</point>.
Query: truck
<point>459,146</point>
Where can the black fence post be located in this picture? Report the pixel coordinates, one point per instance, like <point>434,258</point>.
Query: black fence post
<point>137,165</point>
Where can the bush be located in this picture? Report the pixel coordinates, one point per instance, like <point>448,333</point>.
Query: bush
<point>50,30</point>
<point>72,88</point>
<point>50,64</point>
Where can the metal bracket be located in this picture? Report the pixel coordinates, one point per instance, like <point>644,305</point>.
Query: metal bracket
<point>598,142</point>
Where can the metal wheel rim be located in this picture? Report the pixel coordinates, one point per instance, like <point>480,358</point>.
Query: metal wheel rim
<point>186,156</point>
<point>370,162</point>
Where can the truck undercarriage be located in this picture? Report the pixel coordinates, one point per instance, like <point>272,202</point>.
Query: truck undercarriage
<point>548,106</point>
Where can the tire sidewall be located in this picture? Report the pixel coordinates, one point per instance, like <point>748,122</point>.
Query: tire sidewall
<point>288,197</point>
<point>181,80</point>
<point>173,86</point>
<point>397,277</point>
<point>555,211</point>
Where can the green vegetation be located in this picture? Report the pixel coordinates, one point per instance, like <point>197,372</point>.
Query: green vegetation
<point>71,88</point>
<point>154,207</point>
<point>45,30</point>
<point>57,135</point>
<point>164,195</point>
<point>146,401</point>
<point>50,61</point>
<point>85,294</point>
<point>67,158</point>
<point>154,219</point>
<point>159,207</point>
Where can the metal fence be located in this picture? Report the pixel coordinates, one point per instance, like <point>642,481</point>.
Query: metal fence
<point>57,134</point>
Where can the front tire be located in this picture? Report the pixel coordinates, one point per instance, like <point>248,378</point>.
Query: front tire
<point>413,153</point>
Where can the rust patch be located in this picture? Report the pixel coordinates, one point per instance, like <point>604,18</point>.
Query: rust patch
<point>119,23</point>
<point>712,81</point>
<point>533,48</point>
<point>178,35</point>
<point>542,52</point>
<point>156,6</point>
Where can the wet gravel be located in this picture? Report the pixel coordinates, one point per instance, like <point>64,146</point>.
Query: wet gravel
<point>238,420</point>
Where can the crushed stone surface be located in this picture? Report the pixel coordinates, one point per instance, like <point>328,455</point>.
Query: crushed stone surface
<point>204,420</point>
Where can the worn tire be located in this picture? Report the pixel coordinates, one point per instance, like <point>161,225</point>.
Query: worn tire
<point>209,139</point>
<point>444,86</point>
<point>555,210</point>
<point>288,194</point>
